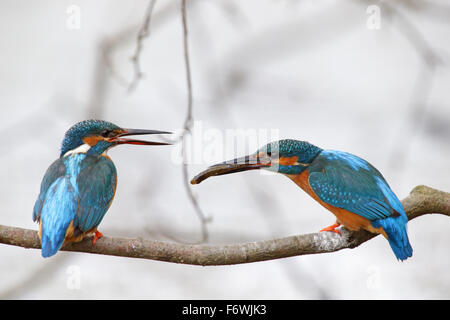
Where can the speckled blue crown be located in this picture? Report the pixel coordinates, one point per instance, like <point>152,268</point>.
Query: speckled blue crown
<point>305,151</point>
<point>74,136</point>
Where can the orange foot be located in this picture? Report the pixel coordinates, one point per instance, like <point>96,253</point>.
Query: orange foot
<point>332,228</point>
<point>97,236</point>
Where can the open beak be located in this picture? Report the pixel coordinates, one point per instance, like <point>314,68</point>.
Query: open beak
<point>132,132</point>
<point>252,162</point>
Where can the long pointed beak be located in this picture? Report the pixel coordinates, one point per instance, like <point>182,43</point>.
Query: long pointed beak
<point>131,132</point>
<point>246,163</point>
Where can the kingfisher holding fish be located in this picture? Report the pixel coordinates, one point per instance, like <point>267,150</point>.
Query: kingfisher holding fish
<point>78,188</point>
<point>348,186</point>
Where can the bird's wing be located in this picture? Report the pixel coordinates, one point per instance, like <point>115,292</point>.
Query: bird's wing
<point>58,210</point>
<point>96,186</point>
<point>349,182</point>
<point>57,169</point>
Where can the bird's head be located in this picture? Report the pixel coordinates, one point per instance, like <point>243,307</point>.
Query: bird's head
<point>284,156</point>
<point>97,136</point>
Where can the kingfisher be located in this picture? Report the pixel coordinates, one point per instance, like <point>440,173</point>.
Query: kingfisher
<point>347,185</point>
<point>78,188</point>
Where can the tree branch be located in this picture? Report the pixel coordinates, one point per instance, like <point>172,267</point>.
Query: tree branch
<point>422,200</point>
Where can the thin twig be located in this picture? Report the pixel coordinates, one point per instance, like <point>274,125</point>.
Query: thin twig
<point>143,33</point>
<point>187,128</point>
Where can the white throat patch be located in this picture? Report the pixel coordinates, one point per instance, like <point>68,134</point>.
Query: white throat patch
<point>84,148</point>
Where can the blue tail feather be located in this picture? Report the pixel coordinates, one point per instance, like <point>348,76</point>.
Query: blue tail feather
<point>395,228</point>
<point>50,246</point>
<point>58,212</point>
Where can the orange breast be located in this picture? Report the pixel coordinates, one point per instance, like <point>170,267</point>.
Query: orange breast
<point>349,219</point>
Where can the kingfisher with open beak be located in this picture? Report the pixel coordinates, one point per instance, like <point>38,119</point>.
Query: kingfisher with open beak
<point>348,186</point>
<point>78,188</point>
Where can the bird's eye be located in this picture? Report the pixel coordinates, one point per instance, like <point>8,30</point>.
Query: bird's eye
<point>106,133</point>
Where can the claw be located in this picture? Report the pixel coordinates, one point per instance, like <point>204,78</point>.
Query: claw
<point>332,228</point>
<point>97,236</point>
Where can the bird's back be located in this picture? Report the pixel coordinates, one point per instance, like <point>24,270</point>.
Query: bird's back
<point>348,182</point>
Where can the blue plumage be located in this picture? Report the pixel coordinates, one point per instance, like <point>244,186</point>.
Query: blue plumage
<point>58,211</point>
<point>351,183</point>
<point>395,228</point>
<point>97,184</point>
<point>78,188</point>
<point>350,187</point>
<point>286,148</point>
<point>349,159</point>
<point>81,193</point>
<point>305,151</point>
<point>56,170</point>
<point>74,136</point>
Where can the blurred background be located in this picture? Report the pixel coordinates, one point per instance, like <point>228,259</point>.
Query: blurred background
<point>368,77</point>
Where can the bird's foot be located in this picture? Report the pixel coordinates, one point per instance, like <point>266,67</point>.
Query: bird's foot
<point>97,236</point>
<point>332,228</point>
